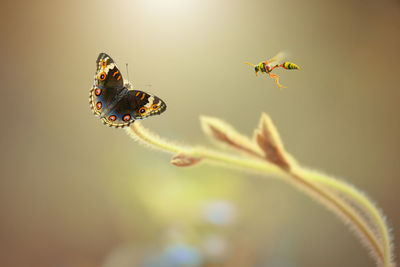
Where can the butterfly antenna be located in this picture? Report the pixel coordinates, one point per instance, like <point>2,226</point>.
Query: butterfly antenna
<point>127,71</point>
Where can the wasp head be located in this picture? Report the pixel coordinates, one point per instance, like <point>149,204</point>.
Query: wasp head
<point>256,69</point>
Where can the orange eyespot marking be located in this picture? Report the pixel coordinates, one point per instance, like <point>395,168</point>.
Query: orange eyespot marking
<point>115,73</point>
<point>97,92</point>
<point>142,110</point>
<point>155,106</point>
<point>127,117</point>
<point>102,76</point>
<point>98,105</point>
<point>112,118</point>
<point>103,63</point>
<point>143,96</point>
<point>138,93</point>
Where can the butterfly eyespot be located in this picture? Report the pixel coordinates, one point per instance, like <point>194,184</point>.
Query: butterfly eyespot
<point>102,76</point>
<point>112,118</point>
<point>98,105</point>
<point>142,110</point>
<point>104,63</point>
<point>127,117</point>
<point>97,92</point>
<point>155,106</point>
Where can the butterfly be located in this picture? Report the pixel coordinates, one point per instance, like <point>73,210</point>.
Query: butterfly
<point>114,100</point>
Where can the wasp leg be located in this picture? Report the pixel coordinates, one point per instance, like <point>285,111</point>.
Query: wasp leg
<point>276,78</point>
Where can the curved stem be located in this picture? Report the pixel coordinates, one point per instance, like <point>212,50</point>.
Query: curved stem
<point>345,210</point>
<point>140,133</point>
<point>304,179</point>
<point>361,200</point>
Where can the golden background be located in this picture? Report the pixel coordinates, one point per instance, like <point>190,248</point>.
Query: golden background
<point>76,193</point>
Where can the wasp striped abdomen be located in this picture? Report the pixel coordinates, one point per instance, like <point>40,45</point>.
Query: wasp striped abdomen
<point>289,66</point>
<point>266,67</point>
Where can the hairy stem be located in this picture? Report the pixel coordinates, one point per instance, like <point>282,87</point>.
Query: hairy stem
<point>345,210</point>
<point>362,201</point>
<point>313,183</point>
<point>140,133</point>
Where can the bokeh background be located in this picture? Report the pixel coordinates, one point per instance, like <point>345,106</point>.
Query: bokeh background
<point>76,193</point>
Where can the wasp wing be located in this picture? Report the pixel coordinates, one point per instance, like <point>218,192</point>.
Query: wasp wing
<point>278,58</point>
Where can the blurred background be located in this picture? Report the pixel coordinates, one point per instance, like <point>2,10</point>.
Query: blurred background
<point>76,193</point>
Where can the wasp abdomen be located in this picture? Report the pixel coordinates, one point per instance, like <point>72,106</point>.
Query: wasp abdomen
<point>289,66</point>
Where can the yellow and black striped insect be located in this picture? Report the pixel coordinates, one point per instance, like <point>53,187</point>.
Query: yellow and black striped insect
<point>271,64</point>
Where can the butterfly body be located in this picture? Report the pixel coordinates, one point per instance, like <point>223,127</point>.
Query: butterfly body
<point>114,101</point>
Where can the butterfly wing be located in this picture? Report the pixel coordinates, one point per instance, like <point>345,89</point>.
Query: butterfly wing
<point>132,106</point>
<point>114,102</point>
<point>146,104</point>
<point>108,85</point>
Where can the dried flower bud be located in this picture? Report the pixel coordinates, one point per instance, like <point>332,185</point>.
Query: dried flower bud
<point>269,141</point>
<point>184,160</point>
<point>226,134</point>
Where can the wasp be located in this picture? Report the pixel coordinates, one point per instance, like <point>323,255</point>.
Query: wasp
<point>271,64</point>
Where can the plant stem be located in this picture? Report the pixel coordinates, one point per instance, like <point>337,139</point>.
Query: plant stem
<point>305,179</point>
<point>361,200</point>
<point>346,210</point>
